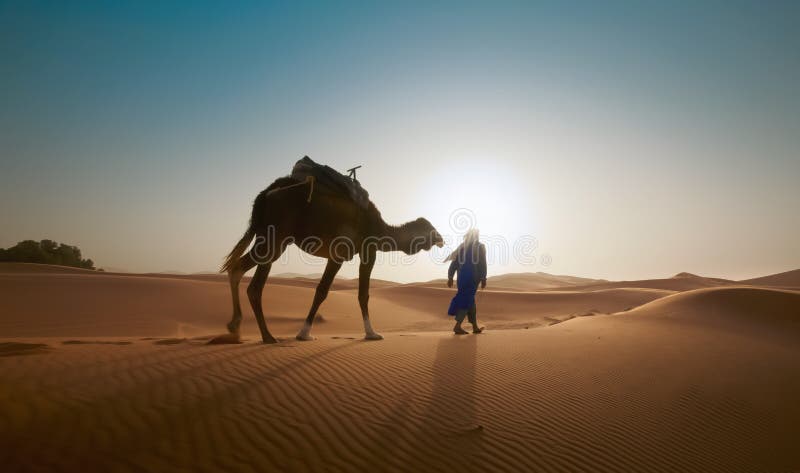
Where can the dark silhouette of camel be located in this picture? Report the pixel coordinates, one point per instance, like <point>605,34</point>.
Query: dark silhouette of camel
<point>324,220</point>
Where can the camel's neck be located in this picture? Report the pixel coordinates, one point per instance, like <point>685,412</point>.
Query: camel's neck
<point>397,237</point>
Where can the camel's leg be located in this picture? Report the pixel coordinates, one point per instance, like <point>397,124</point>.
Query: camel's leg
<point>322,292</point>
<point>364,272</point>
<point>254,291</point>
<point>234,277</point>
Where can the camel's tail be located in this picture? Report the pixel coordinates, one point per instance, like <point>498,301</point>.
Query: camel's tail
<point>258,218</point>
<point>232,260</point>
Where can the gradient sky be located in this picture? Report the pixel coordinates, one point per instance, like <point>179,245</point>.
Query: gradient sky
<point>631,139</point>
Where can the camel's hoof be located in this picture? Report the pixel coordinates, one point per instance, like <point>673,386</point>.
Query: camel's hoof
<point>305,338</point>
<point>373,336</point>
<point>269,340</point>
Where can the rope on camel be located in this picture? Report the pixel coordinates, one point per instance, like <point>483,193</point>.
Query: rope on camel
<point>309,180</point>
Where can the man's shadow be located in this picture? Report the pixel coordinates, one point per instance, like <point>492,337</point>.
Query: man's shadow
<point>451,423</point>
<point>454,376</point>
<point>446,430</point>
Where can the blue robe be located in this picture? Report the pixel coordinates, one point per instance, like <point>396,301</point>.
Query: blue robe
<point>470,272</point>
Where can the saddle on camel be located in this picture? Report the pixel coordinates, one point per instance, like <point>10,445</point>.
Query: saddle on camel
<point>326,180</point>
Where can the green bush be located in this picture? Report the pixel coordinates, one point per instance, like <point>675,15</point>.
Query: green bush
<point>45,252</point>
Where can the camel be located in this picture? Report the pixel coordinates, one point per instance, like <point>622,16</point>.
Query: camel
<point>322,221</point>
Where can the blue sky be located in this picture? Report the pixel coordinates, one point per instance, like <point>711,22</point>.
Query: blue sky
<point>632,139</point>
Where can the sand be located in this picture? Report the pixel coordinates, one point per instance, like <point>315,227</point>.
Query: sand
<point>788,279</point>
<point>112,373</point>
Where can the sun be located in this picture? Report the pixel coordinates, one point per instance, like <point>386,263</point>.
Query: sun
<point>476,192</point>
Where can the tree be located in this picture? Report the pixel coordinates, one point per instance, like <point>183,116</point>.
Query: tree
<point>45,252</point>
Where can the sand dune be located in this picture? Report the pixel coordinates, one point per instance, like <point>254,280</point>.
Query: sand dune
<point>522,309</point>
<point>86,303</point>
<point>284,279</point>
<point>538,280</point>
<point>680,282</point>
<point>26,268</point>
<point>121,305</point>
<point>112,372</point>
<point>606,393</point>
<point>519,282</point>
<point>37,300</point>
<point>788,279</point>
<point>742,309</point>
<point>522,282</point>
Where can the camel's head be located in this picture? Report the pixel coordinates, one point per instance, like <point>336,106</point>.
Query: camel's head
<point>423,236</point>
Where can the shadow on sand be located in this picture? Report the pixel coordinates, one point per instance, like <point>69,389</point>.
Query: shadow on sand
<point>454,396</point>
<point>450,435</point>
<point>18,349</point>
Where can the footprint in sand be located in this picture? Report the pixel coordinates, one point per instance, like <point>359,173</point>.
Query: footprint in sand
<point>224,339</point>
<point>17,349</point>
<point>170,341</point>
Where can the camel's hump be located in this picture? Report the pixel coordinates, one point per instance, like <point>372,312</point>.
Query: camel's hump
<point>331,180</point>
